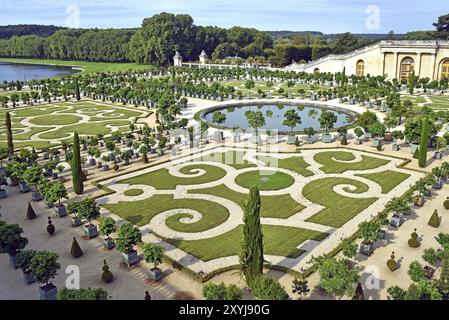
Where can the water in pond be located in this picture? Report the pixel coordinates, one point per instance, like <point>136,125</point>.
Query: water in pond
<point>25,72</point>
<point>274,117</point>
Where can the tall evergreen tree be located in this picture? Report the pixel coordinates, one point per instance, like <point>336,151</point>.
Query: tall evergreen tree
<point>77,172</point>
<point>9,133</point>
<point>77,90</point>
<point>424,142</point>
<point>251,260</point>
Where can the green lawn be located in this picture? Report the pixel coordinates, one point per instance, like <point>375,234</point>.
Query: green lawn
<point>295,164</point>
<point>230,158</point>
<point>88,67</point>
<point>141,212</point>
<point>265,180</point>
<point>270,207</point>
<point>338,209</point>
<point>278,240</point>
<point>49,120</point>
<point>133,192</point>
<point>162,180</point>
<point>332,166</point>
<point>388,180</point>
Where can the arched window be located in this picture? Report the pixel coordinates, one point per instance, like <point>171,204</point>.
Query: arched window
<point>316,71</point>
<point>407,67</point>
<point>360,69</point>
<point>445,69</point>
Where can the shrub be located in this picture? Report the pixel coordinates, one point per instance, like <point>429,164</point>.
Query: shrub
<point>434,220</point>
<point>267,288</point>
<point>107,226</point>
<point>183,295</point>
<point>107,275</point>
<point>212,291</point>
<point>115,167</point>
<point>446,204</point>
<point>83,294</point>
<point>413,242</point>
<point>430,256</point>
<point>392,264</point>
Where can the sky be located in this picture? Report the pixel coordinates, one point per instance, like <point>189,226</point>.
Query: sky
<point>327,16</point>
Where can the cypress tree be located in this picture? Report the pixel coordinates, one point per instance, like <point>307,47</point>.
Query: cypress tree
<point>9,134</point>
<point>251,260</point>
<point>77,174</point>
<point>423,143</point>
<point>77,90</point>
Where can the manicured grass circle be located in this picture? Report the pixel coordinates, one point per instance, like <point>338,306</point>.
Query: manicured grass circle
<point>265,180</point>
<point>62,119</point>
<point>133,192</point>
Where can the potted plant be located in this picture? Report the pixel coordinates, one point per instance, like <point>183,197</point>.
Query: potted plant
<point>11,241</point>
<point>89,210</point>
<point>93,152</point>
<point>327,120</point>
<point>24,260</point>
<point>399,207</point>
<point>421,187</point>
<point>359,133</point>
<point>56,193</point>
<point>438,173</point>
<point>73,209</point>
<point>107,227</point>
<point>397,135</point>
<point>440,144</point>
<point>153,254</point>
<point>127,237</point>
<point>369,233</point>
<point>3,193</point>
<point>32,176</point>
<point>310,132</point>
<point>3,155</point>
<point>44,265</point>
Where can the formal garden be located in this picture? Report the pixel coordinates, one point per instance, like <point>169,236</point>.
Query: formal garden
<point>49,125</point>
<point>196,204</point>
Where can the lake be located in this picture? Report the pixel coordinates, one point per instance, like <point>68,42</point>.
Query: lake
<point>274,116</point>
<point>25,72</point>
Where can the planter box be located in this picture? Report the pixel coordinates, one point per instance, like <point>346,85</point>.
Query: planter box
<point>291,139</point>
<point>130,258</point>
<point>310,140</point>
<point>105,167</point>
<point>156,274</point>
<point>24,188</point>
<point>358,141</point>
<point>218,136</point>
<point>55,176</point>
<point>396,221</point>
<point>28,277</point>
<point>367,249</point>
<point>61,211</point>
<point>419,201</point>
<point>438,155</point>
<point>368,135</point>
<point>395,147</point>
<point>161,152</point>
<point>437,185</point>
<point>36,196</point>
<point>90,230</point>
<point>76,222</point>
<point>237,139</point>
<point>91,162</point>
<point>48,204</point>
<point>375,143</point>
<point>108,243</point>
<point>3,194</point>
<point>326,138</point>
<point>48,292</point>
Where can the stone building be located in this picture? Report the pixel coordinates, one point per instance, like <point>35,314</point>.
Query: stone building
<point>391,58</point>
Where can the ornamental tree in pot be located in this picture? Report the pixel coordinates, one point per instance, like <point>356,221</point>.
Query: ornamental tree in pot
<point>127,237</point>
<point>399,207</point>
<point>24,260</point>
<point>73,209</point>
<point>89,210</point>
<point>11,241</point>
<point>107,227</point>
<point>359,133</point>
<point>45,266</point>
<point>3,193</point>
<point>153,254</point>
<point>369,233</point>
<point>56,193</point>
<point>440,144</point>
<point>32,176</point>
<point>310,132</point>
<point>327,120</point>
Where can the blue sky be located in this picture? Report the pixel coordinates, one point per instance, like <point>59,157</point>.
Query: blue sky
<point>328,16</point>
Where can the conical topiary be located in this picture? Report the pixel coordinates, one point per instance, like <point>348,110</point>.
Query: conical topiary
<point>392,264</point>
<point>76,251</point>
<point>30,212</point>
<point>434,220</point>
<point>413,242</point>
<point>107,275</point>
<point>50,228</point>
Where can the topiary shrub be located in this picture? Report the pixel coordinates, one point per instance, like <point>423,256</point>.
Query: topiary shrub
<point>75,250</point>
<point>115,167</point>
<point>413,242</point>
<point>50,228</point>
<point>107,275</point>
<point>434,220</point>
<point>446,204</point>
<point>392,264</point>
